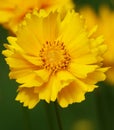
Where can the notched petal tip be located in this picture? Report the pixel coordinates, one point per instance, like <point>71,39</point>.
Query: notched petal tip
<point>27,97</point>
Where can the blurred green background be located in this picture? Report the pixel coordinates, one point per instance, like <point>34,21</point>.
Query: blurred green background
<point>95,113</point>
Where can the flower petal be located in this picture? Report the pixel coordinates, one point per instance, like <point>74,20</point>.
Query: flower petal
<point>27,97</point>
<point>35,26</point>
<point>18,62</point>
<point>43,74</point>
<point>5,16</point>
<point>31,46</point>
<point>70,94</point>
<point>18,73</point>
<point>74,92</point>
<point>51,24</point>
<point>32,59</point>
<point>44,28</point>
<point>30,80</point>
<point>96,76</point>
<point>86,59</point>
<point>50,91</point>
<point>34,78</point>
<point>81,70</point>
<point>71,18</point>
<point>12,47</point>
<point>46,91</point>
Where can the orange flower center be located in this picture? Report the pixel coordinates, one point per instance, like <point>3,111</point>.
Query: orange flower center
<point>54,56</point>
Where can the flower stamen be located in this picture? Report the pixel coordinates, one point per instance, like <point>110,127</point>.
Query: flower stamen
<point>54,56</point>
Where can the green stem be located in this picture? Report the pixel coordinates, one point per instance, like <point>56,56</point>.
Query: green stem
<point>26,119</point>
<point>49,115</point>
<point>58,116</point>
<point>100,111</point>
<point>104,106</point>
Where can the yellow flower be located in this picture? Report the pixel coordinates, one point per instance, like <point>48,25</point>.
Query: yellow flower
<point>105,22</point>
<point>12,12</point>
<point>53,57</point>
<point>91,19</point>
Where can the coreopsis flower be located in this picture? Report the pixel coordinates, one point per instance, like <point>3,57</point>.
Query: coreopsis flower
<point>107,29</point>
<point>53,57</point>
<point>105,22</point>
<point>90,16</point>
<point>12,12</point>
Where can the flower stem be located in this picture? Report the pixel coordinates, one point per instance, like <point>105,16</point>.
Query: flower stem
<point>101,116</point>
<point>49,115</point>
<point>58,116</point>
<point>26,119</point>
<point>104,106</point>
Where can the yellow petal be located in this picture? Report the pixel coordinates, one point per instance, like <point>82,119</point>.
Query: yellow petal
<point>44,28</point>
<point>30,80</point>
<point>7,52</point>
<point>96,76</point>
<point>65,78</point>
<point>86,59</point>
<point>33,59</point>
<point>27,97</point>
<point>51,24</point>
<point>97,46</point>
<point>35,26</point>
<point>93,30</point>
<point>5,16</point>
<point>46,92</point>
<point>74,92</point>
<point>31,46</point>
<point>12,47</point>
<point>71,19</point>
<point>70,94</point>
<point>43,74</point>
<point>13,43</point>
<point>81,70</point>
<point>18,73</point>
<point>50,91</point>
<point>17,61</point>
<point>79,46</point>
<point>33,78</point>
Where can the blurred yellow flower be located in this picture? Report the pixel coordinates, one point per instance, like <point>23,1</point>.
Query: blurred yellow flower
<point>12,12</point>
<point>90,16</point>
<point>105,22</point>
<point>84,124</point>
<point>53,57</point>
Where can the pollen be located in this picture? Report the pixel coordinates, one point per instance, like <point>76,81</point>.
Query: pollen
<point>54,56</point>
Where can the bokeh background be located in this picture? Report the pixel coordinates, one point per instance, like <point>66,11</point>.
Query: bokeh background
<point>95,113</point>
